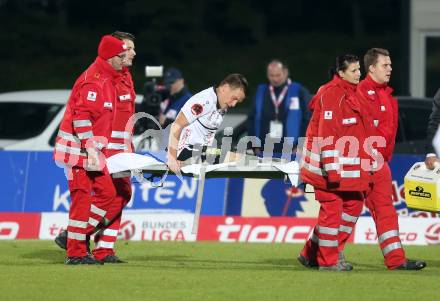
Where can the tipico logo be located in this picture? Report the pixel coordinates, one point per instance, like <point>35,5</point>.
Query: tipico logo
<point>126,230</point>
<point>432,234</point>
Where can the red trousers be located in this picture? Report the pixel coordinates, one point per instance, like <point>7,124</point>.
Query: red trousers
<point>92,194</point>
<point>323,245</point>
<point>380,203</point>
<point>105,239</point>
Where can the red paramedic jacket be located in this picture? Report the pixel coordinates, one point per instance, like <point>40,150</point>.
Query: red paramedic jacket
<point>383,110</point>
<point>334,157</point>
<point>89,114</point>
<point>122,131</point>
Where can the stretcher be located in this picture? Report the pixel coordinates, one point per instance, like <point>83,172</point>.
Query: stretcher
<point>124,164</point>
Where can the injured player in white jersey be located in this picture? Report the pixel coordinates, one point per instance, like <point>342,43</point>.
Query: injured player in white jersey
<point>193,131</point>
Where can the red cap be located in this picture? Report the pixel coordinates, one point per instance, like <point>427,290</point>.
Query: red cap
<point>110,47</point>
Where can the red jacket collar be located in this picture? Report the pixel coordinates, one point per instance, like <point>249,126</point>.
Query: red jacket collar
<point>374,85</point>
<point>343,83</point>
<point>336,81</point>
<point>107,68</point>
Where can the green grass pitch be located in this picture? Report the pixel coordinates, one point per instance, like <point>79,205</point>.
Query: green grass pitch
<point>34,270</point>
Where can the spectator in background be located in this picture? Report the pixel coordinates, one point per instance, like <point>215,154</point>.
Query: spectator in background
<point>279,110</point>
<point>434,120</point>
<point>179,94</point>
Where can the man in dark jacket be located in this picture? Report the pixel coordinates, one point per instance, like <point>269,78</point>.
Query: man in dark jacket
<point>179,94</point>
<point>434,120</point>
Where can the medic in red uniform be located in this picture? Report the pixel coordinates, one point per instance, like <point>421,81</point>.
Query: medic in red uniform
<point>335,161</point>
<point>83,135</point>
<point>119,141</point>
<point>376,97</point>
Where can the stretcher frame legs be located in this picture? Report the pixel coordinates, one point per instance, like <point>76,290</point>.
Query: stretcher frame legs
<point>200,190</point>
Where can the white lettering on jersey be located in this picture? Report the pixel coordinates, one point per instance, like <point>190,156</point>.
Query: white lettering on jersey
<point>371,92</point>
<point>328,115</point>
<point>382,108</point>
<point>91,95</point>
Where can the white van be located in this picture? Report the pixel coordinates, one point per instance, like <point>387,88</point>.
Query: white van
<point>30,119</point>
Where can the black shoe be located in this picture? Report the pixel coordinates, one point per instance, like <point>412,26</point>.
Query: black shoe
<point>342,261</point>
<point>307,263</point>
<point>82,260</point>
<point>61,241</point>
<point>112,259</point>
<point>412,265</point>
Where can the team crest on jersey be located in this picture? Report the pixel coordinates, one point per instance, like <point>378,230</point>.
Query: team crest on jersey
<point>91,95</point>
<point>197,109</point>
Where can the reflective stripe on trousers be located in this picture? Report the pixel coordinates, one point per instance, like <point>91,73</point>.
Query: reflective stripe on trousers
<point>349,218</point>
<point>76,236</point>
<point>346,229</point>
<point>391,247</point>
<point>388,234</point>
<point>77,224</point>
<point>97,210</point>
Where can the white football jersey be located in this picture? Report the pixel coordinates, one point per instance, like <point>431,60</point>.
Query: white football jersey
<point>204,117</point>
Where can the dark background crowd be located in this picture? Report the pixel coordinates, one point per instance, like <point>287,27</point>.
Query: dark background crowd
<point>47,43</point>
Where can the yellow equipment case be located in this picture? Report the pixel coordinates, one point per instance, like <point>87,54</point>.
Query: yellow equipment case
<point>422,188</point>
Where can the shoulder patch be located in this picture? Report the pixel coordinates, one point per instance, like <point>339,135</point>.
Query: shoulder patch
<point>328,115</point>
<point>91,95</point>
<point>196,109</point>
